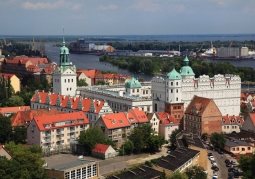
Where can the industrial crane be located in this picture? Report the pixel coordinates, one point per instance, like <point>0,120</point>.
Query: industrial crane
<point>230,43</point>
<point>201,47</point>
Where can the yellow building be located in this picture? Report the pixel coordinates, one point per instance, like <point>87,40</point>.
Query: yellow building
<point>15,81</point>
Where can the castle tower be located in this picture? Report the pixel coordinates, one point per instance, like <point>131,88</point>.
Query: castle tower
<point>186,70</point>
<point>64,76</point>
<point>173,102</point>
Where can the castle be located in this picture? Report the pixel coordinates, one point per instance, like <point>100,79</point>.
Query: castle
<point>174,92</point>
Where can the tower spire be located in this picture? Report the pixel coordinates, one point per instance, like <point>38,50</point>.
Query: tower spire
<point>64,36</point>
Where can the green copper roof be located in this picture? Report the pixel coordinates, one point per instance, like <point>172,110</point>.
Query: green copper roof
<point>186,70</point>
<point>173,75</point>
<point>133,83</point>
<point>64,50</point>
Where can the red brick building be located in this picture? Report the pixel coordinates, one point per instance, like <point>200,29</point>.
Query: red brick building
<point>202,116</point>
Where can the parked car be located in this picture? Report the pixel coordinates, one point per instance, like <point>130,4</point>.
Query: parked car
<point>236,174</point>
<point>230,169</point>
<point>209,154</point>
<point>207,143</point>
<point>230,174</point>
<point>228,164</point>
<point>215,173</point>
<point>211,158</point>
<point>220,152</point>
<point>227,161</point>
<point>215,168</point>
<point>214,163</point>
<point>233,162</point>
<point>214,177</point>
<point>169,151</point>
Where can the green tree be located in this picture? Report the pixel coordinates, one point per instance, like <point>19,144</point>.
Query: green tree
<point>155,142</point>
<point>178,175</point>
<point>109,142</point>
<point>81,82</point>
<point>127,148</point>
<point>204,136</point>
<point>26,162</point>
<point>196,172</point>
<point>100,82</point>
<point>91,137</point>
<point>5,129</point>
<point>19,135</point>
<point>218,140</point>
<point>247,165</point>
<point>14,101</point>
<point>173,138</point>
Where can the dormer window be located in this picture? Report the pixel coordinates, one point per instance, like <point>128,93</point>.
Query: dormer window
<point>121,121</point>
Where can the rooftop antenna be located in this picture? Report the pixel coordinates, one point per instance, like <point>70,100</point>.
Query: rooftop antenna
<point>64,36</point>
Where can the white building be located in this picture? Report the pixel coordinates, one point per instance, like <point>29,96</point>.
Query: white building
<point>122,98</point>
<point>181,87</point>
<point>64,76</point>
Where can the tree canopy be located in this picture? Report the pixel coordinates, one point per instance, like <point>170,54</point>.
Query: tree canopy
<point>26,163</point>
<point>218,140</point>
<point>178,175</point>
<point>144,138</point>
<point>81,82</point>
<point>5,129</point>
<point>196,172</point>
<point>247,165</point>
<point>173,138</point>
<point>91,137</point>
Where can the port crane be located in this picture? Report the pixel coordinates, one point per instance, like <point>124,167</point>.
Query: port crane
<point>201,47</point>
<point>230,44</point>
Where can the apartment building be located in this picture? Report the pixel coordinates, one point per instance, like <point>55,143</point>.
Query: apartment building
<point>56,130</point>
<point>118,126</point>
<point>7,111</point>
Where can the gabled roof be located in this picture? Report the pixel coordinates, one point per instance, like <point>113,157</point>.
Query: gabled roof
<point>115,120</point>
<point>3,148</point>
<point>140,115</point>
<point>6,75</point>
<point>100,148</point>
<point>15,61</point>
<point>13,109</point>
<point>33,68</point>
<point>228,120</point>
<point>23,118</point>
<point>252,116</point>
<point>78,118</point>
<point>33,60</point>
<point>197,105</point>
<point>89,73</point>
<point>166,118</point>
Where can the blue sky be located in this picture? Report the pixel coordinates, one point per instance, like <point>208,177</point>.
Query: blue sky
<point>126,17</point>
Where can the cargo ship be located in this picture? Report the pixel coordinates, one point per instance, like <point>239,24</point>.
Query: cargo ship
<point>81,47</point>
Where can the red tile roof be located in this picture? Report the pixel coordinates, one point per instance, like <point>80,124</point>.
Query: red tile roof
<point>6,75</point>
<point>100,148</point>
<point>115,120</point>
<point>50,120</point>
<point>23,118</point>
<point>13,109</point>
<point>232,120</point>
<point>64,99</point>
<point>252,116</point>
<point>15,61</point>
<point>33,60</point>
<point>89,73</point>
<point>166,118</point>
<point>140,115</point>
<point>33,68</point>
<point>197,106</point>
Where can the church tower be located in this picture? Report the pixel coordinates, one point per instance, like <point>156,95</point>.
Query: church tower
<point>64,76</point>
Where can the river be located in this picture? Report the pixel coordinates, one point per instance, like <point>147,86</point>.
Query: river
<point>83,61</point>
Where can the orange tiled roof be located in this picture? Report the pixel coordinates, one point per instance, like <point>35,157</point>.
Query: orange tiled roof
<point>33,68</point>
<point>23,118</point>
<point>50,120</point>
<point>197,104</point>
<point>64,99</point>
<point>115,120</point>
<point>13,109</point>
<point>228,120</point>
<point>100,148</point>
<point>243,96</point>
<point>166,118</point>
<point>89,73</point>
<point>6,75</point>
<point>33,60</point>
<point>140,115</point>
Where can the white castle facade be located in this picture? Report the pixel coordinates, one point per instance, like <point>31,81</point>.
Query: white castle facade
<point>179,88</point>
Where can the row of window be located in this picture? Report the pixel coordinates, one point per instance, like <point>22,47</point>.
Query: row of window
<point>227,127</point>
<point>82,173</point>
<point>242,149</point>
<point>172,83</point>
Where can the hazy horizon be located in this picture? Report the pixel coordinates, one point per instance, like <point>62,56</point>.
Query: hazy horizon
<point>126,17</point>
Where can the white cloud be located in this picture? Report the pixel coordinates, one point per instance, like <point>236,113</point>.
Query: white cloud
<point>54,5</point>
<point>109,7</point>
<point>76,6</point>
<point>145,5</point>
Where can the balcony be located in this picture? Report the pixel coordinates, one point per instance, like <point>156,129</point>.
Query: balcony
<point>82,129</point>
<point>58,139</point>
<point>72,136</point>
<point>48,134</point>
<point>72,129</point>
